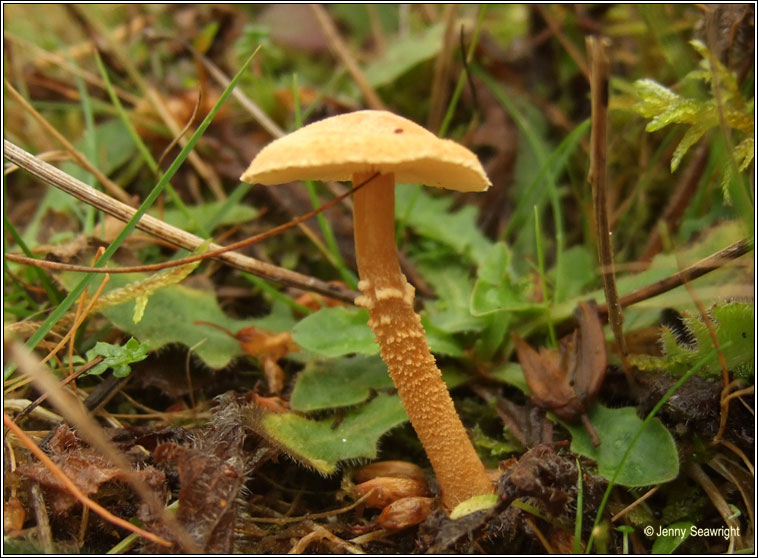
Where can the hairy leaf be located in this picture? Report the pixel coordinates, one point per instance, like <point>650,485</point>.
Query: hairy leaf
<point>322,444</point>
<point>734,325</point>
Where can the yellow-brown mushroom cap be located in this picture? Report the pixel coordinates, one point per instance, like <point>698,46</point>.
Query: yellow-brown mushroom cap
<point>368,141</point>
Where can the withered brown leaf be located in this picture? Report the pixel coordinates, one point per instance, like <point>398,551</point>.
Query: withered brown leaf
<point>567,380</point>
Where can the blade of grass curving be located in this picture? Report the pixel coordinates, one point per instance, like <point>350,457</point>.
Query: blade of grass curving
<point>543,280</point>
<point>577,549</point>
<point>232,200</point>
<point>662,401</point>
<point>276,294</point>
<point>52,293</point>
<point>74,294</point>
<point>89,148</point>
<point>147,157</point>
<point>555,163</point>
<point>462,77</point>
<point>323,222</point>
<point>539,150</point>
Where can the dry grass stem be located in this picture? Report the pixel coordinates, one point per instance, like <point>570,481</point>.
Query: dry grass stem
<point>634,504</point>
<point>343,53</point>
<point>174,235</point>
<point>45,58</point>
<point>77,155</point>
<point>116,48</point>
<point>442,69</point>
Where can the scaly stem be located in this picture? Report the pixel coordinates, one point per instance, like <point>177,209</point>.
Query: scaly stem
<point>389,299</point>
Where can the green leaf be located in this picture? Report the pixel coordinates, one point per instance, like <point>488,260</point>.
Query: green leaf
<point>117,357</point>
<point>653,460</point>
<point>203,215</point>
<point>430,217</point>
<point>336,332</point>
<point>677,533</point>
<point>341,382</point>
<point>496,289</point>
<point>577,271</point>
<point>171,314</point>
<point>403,54</point>
<point>452,285</point>
<point>512,374</point>
<point>321,444</point>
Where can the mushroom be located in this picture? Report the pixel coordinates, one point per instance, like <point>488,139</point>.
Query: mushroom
<point>378,148</point>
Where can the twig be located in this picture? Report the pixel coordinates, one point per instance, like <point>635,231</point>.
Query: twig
<point>74,490</point>
<point>343,53</point>
<point>44,534</point>
<point>78,156</point>
<point>41,399</point>
<point>634,504</point>
<point>174,235</point>
<point>189,259</point>
<point>598,178</point>
<point>697,474</point>
<point>698,269</point>
<point>318,534</point>
<point>331,513</point>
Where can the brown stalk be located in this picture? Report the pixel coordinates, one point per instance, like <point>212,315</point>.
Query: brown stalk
<point>343,53</point>
<point>174,235</point>
<point>74,490</point>
<point>77,155</point>
<point>598,178</point>
<point>696,473</point>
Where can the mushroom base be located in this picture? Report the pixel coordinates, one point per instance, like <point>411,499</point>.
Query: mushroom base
<point>400,335</point>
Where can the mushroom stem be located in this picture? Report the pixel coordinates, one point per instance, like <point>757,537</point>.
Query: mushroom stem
<point>400,335</point>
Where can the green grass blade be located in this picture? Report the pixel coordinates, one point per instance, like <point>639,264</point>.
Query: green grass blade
<point>642,427</point>
<point>539,149</point>
<point>58,313</point>
<point>52,292</point>
<point>462,78</point>
<point>142,149</point>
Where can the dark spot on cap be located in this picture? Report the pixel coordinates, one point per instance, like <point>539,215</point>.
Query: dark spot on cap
<point>399,131</point>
